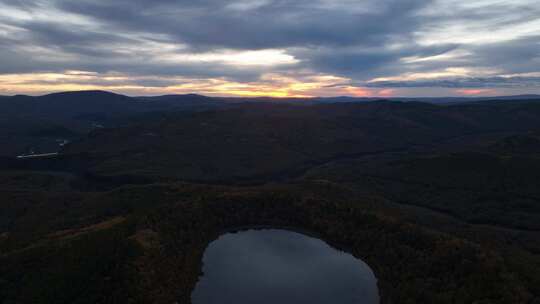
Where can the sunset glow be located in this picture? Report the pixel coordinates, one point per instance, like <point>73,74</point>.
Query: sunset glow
<point>472,92</point>
<point>271,85</point>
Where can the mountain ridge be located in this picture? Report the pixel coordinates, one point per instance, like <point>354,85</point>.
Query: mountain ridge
<point>315,98</point>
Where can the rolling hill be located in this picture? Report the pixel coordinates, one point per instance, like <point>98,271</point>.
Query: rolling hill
<point>260,141</point>
<point>442,201</point>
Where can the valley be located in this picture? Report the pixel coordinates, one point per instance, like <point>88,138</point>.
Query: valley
<point>445,194</point>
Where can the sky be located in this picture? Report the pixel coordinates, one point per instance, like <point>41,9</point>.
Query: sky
<point>278,48</point>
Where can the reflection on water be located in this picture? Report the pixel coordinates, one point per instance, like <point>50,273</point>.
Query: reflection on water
<point>281,267</point>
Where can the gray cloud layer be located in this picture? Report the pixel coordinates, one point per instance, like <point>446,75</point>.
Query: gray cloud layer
<point>478,82</point>
<point>359,40</point>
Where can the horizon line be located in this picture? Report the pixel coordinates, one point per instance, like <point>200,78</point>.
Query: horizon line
<point>274,97</point>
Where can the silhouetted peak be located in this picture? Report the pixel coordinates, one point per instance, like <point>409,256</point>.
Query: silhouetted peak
<point>90,93</point>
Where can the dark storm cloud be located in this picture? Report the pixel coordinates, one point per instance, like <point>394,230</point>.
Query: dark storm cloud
<point>519,56</point>
<point>487,82</point>
<point>86,43</point>
<point>365,63</point>
<point>498,13</point>
<point>274,24</point>
<point>209,25</point>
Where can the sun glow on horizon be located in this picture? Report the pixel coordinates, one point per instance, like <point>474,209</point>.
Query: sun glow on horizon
<point>473,92</point>
<point>269,85</point>
<point>276,85</point>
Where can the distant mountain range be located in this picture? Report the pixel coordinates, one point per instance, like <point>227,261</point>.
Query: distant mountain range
<point>100,96</point>
<point>38,123</point>
<point>103,107</point>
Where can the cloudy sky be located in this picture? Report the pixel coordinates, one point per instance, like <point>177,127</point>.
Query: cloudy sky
<point>271,47</point>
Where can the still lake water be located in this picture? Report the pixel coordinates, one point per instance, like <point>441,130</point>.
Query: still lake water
<point>281,267</point>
